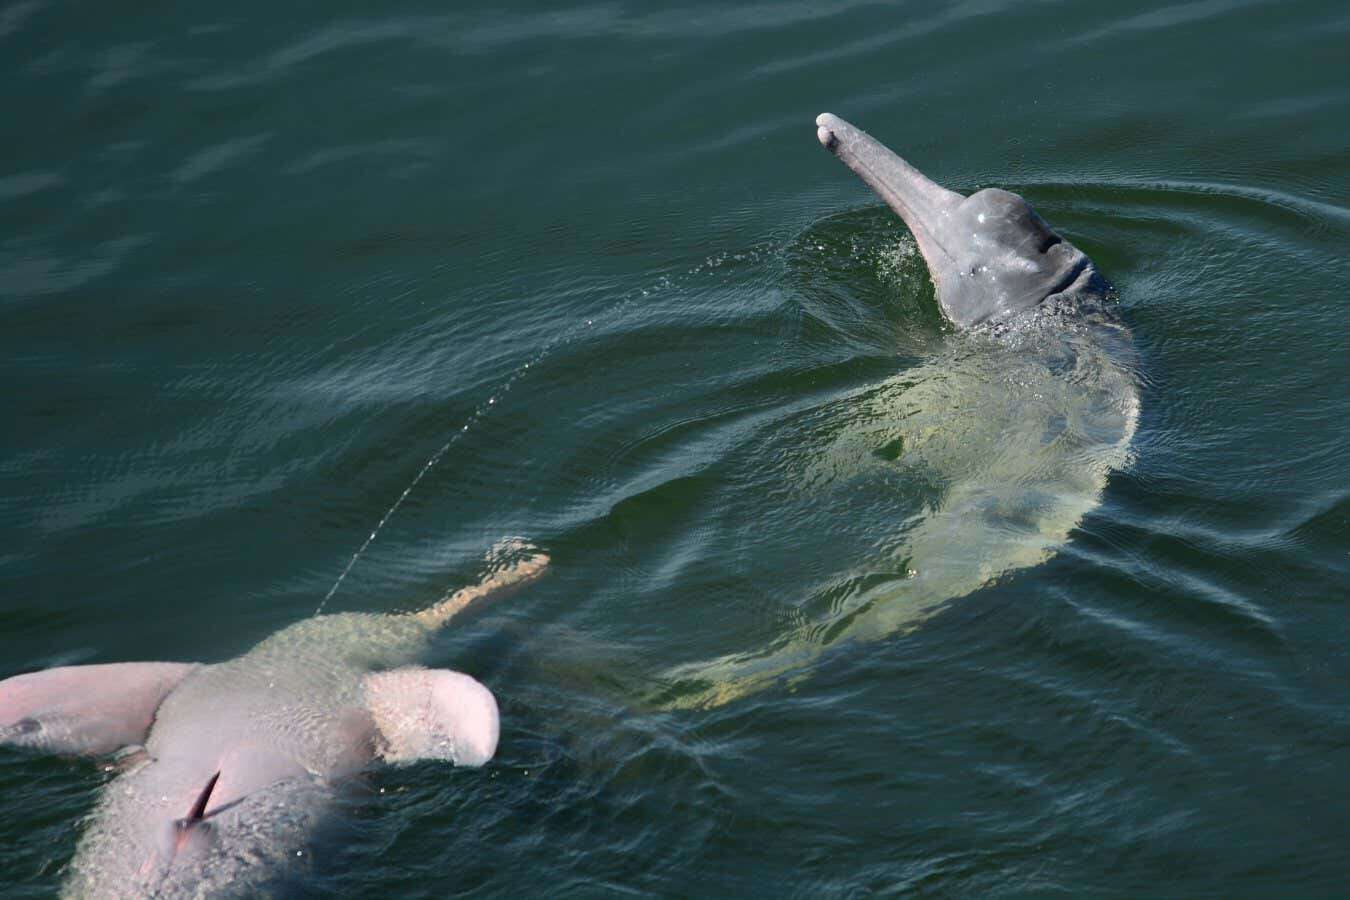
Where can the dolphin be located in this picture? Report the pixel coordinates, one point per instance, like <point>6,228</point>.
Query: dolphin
<point>1020,417</point>
<point>228,769</point>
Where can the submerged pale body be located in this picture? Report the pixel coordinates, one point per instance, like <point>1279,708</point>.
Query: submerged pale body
<point>241,759</point>
<point>1020,417</point>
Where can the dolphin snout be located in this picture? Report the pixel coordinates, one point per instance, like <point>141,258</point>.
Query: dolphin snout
<point>826,123</point>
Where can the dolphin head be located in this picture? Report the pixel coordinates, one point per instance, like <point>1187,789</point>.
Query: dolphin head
<point>991,257</point>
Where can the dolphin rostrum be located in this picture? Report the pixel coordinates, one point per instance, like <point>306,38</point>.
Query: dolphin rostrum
<point>233,766</point>
<point>1019,417</point>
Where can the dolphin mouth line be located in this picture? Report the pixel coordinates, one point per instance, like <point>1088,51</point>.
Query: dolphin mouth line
<point>1071,277</point>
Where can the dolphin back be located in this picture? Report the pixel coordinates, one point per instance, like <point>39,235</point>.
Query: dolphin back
<point>1022,436</point>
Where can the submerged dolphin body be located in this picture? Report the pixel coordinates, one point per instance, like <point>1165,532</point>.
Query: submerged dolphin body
<point>241,758</point>
<point>1020,417</point>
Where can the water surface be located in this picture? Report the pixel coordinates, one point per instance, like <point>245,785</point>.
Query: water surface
<point>260,266</point>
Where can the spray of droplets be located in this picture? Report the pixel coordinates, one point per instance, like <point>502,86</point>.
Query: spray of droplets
<point>663,283</point>
<point>427,466</point>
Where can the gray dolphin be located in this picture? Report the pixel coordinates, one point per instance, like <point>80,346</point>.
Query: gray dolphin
<point>1020,417</point>
<point>991,257</point>
<point>240,759</point>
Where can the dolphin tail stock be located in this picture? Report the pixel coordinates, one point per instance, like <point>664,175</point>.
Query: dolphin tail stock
<point>890,605</point>
<point>979,534</point>
<point>513,563</point>
<point>713,683</point>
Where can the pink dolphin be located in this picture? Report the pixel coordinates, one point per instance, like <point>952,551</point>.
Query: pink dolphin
<point>233,765</point>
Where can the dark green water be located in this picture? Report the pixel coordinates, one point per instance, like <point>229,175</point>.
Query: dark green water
<point>258,265</point>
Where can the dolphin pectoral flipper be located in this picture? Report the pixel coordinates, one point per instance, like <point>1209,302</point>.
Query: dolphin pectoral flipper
<point>432,714</point>
<point>85,710</point>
